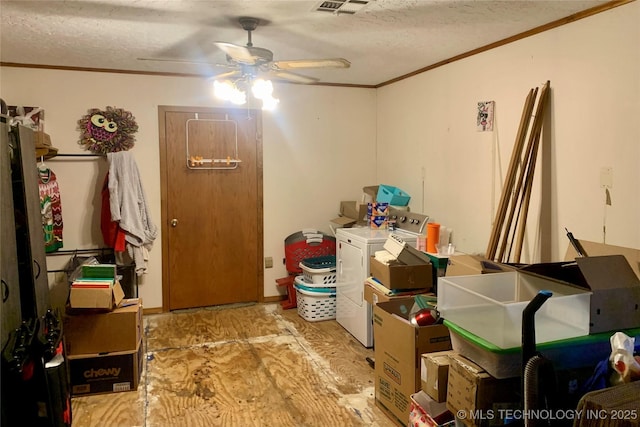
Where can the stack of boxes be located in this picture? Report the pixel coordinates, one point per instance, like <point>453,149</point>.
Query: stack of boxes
<point>398,342</point>
<point>374,208</point>
<point>398,348</point>
<point>103,334</point>
<point>378,215</point>
<point>479,381</point>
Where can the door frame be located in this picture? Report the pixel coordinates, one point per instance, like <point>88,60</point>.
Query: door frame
<point>164,209</point>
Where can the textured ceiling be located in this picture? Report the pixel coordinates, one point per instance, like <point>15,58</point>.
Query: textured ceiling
<point>385,40</point>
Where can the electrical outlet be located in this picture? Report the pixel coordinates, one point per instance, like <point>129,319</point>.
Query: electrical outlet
<point>268,262</point>
<point>606,177</point>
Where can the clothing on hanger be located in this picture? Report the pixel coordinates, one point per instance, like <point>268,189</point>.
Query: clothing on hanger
<point>50,208</point>
<point>112,234</point>
<point>128,205</point>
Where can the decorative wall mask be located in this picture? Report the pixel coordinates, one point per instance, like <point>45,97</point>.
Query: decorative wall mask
<point>107,131</point>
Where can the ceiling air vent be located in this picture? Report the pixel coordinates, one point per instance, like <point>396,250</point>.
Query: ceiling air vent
<point>342,6</point>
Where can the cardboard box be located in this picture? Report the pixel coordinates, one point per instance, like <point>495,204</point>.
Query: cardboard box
<point>98,288</point>
<point>379,222</point>
<point>600,249</point>
<point>614,285</point>
<point>377,209</point>
<point>113,331</point>
<point>474,391</point>
<point>616,293</point>
<point>465,265</point>
<point>106,373</point>
<point>95,294</point>
<point>370,193</point>
<point>611,273</point>
<point>434,374</point>
<point>401,276</point>
<point>398,349</point>
<point>375,292</point>
<point>621,399</point>
<point>351,213</point>
<point>426,412</point>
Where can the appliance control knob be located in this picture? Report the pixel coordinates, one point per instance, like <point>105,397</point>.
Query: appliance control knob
<point>403,218</point>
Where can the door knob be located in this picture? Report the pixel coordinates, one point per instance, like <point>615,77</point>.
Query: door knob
<point>174,222</point>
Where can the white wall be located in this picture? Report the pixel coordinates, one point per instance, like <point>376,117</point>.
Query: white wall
<point>318,149</point>
<point>593,65</point>
<point>325,143</point>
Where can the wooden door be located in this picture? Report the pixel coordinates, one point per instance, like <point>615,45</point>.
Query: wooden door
<point>212,236</point>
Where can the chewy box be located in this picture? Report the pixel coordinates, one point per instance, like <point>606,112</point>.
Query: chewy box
<point>106,373</point>
<point>490,306</point>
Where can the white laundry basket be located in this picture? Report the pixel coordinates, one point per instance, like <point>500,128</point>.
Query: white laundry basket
<point>319,270</point>
<point>316,304</point>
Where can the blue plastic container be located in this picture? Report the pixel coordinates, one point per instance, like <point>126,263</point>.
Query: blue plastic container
<point>392,195</point>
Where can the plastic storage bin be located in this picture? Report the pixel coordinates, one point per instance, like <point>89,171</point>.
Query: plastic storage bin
<point>572,353</point>
<point>319,270</point>
<point>392,195</point>
<point>490,306</point>
<point>316,304</point>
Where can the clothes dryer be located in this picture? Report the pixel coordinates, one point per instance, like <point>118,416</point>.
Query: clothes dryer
<point>354,249</point>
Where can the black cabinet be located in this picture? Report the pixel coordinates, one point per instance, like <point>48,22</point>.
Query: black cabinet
<point>32,261</point>
<point>35,376</point>
<point>10,313</point>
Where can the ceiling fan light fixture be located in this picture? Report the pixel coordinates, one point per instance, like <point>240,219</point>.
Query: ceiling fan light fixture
<point>231,91</point>
<point>228,91</point>
<point>270,103</point>
<point>262,88</point>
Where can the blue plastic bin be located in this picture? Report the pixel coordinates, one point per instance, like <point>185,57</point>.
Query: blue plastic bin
<point>392,195</point>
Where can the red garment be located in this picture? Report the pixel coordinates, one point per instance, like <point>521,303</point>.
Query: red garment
<point>112,234</point>
<point>51,209</point>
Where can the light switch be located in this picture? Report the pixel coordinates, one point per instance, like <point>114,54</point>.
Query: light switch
<point>606,177</point>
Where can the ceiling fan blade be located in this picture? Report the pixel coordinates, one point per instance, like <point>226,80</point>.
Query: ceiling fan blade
<point>226,75</point>
<point>182,61</point>
<point>292,77</point>
<point>237,53</point>
<point>311,63</point>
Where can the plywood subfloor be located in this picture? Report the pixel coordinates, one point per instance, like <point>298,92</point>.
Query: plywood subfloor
<point>242,365</point>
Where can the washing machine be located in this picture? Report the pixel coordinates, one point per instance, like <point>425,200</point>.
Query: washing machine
<point>354,249</point>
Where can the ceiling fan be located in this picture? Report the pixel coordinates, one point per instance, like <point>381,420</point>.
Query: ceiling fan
<point>251,61</point>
